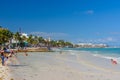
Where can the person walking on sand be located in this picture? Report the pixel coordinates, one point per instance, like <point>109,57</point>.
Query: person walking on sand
<point>60,52</point>
<point>2,58</point>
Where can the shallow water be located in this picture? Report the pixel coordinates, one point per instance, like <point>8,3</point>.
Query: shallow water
<point>107,53</point>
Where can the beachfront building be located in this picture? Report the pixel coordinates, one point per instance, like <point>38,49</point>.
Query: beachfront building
<point>24,34</point>
<point>16,42</point>
<point>91,45</point>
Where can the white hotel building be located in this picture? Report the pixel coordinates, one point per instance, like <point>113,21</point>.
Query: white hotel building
<point>91,45</point>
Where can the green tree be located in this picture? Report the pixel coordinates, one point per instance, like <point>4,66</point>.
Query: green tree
<point>61,43</point>
<point>24,38</point>
<point>69,44</point>
<point>5,35</point>
<point>53,43</point>
<point>40,40</point>
<point>30,40</point>
<point>35,41</point>
<point>17,38</point>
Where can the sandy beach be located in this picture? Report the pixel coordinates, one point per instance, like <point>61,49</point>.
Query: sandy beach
<point>5,73</point>
<point>63,66</point>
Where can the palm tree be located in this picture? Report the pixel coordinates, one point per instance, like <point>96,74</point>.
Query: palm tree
<point>41,40</point>
<point>30,39</point>
<point>61,43</point>
<point>35,41</point>
<point>45,41</point>
<point>24,40</point>
<point>53,43</point>
<point>17,38</point>
<point>68,44</point>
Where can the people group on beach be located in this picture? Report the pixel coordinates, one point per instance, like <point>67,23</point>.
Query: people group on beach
<point>5,54</point>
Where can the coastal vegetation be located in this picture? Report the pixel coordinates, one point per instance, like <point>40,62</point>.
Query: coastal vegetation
<point>7,37</point>
<point>17,40</point>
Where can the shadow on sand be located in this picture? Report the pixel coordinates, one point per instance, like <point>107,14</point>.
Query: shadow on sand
<point>17,65</point>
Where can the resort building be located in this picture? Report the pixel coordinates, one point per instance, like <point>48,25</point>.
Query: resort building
<point>24,34</point>
<point>91,45</point>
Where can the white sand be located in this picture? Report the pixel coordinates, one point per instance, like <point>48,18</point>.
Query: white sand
<point>4,73</point>
<point>55,66</point>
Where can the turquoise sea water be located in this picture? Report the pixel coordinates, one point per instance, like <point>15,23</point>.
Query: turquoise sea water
<point>106,53</point>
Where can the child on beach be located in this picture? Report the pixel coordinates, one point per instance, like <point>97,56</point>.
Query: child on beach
<point>26,54</point>
<point>113,61</point>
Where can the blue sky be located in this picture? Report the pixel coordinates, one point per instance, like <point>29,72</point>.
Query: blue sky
<point>94,21</point>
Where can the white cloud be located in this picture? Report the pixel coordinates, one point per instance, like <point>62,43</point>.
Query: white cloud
<point>97,33</point>
<point>115,33</point>
<point>108,39</point>
<point>89,12</point>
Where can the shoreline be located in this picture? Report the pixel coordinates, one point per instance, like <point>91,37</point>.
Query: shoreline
<point>33,49</point>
